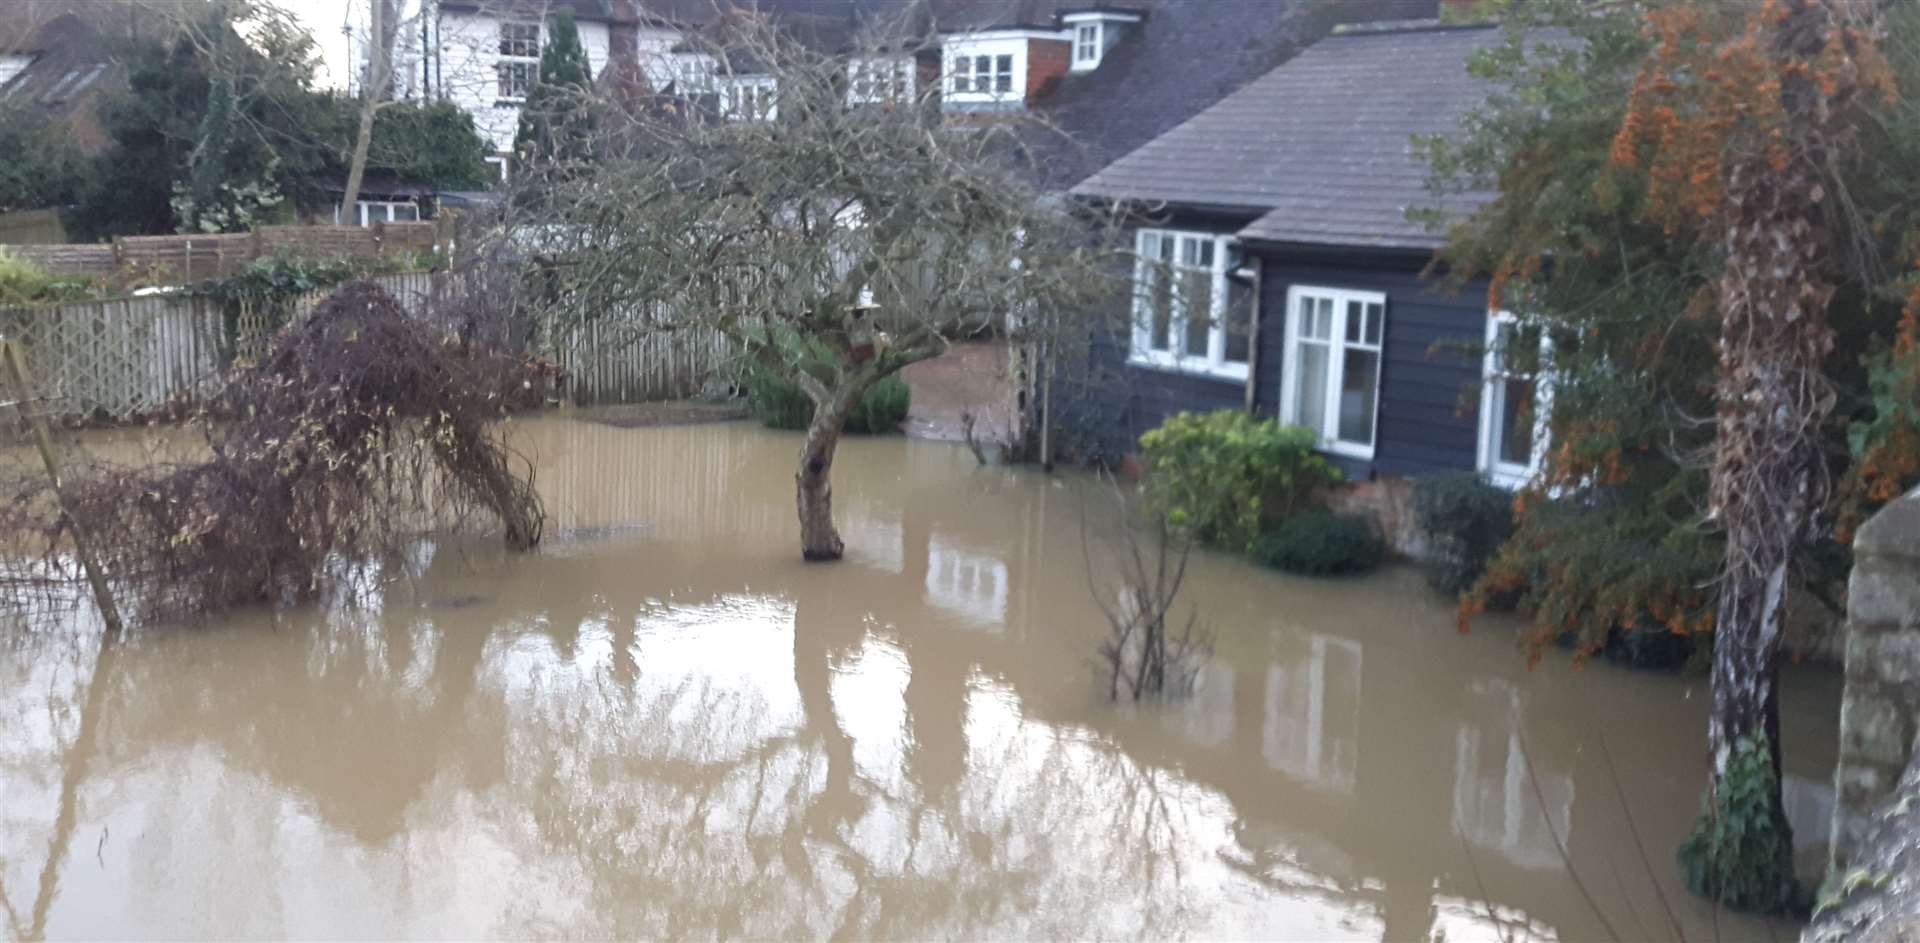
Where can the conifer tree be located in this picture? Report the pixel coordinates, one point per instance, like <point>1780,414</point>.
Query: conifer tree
<point>557,121</point>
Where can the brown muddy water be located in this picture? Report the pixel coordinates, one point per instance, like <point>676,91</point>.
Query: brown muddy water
<point>665,725</point>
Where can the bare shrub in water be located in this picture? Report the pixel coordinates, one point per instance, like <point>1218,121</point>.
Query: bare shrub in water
<point>360,429</point>
<point>1147,652</point>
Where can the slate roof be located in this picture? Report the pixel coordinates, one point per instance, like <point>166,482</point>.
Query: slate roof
<point>72,64</point>
<point>1320,145</point>
<point>1183,57</point>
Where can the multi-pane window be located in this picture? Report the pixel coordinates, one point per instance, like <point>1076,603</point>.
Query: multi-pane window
<point>1187,312</point>
<point>1330,378</point>
<point>520,40</point>
<point>749,99</point>
<point>1513,405</point>
<point>387,211</point>
<point>880,80</point>
<point>519,65</point>
<point>983,74</point>
<point>1086,45</point>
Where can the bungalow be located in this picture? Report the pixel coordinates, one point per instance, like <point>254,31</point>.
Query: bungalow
<point>1278,269</point>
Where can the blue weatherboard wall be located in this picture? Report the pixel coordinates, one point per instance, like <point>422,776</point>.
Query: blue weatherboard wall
<point>1429,385</point>
<point>1430,381</point>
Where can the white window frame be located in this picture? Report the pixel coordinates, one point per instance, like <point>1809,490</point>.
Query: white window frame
<point>368,212</point>
<point>749,98</point>
<point>880,80</point>
<point>1088,42</point>
<point>1174,356</point>
<point>1328,429</point>
<point>1003,81</point>
<point>1511,475</point>
<point>517,63</point>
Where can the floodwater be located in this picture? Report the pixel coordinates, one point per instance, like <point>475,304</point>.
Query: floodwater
<point>665,725</point>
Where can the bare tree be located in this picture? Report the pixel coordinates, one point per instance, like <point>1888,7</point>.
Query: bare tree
<point>376,91</point>
<point>831,242</point>
<point>1147,651</point>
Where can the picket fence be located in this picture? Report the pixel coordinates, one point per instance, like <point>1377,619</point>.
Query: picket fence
<point>125,358</point>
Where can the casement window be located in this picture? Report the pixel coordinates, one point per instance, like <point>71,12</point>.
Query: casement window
<point>748,99</point>
<point>1086,46</point>
<point>519,65</point>
<point>520,40</point>
<point>1187,313</point>
<point>1330,373</point>
<point>880,80</point>
<point>1514,402</point>
<point>368,212</point>
<point>983,75</point>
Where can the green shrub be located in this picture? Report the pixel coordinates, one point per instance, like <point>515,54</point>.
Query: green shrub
<point>777,403</point>
<point>24,282</point>
<point>1322,543</point>
<point>882,409</point>
<point>1465,520</point>
<point>780,404</point>
<point>1225,476</point>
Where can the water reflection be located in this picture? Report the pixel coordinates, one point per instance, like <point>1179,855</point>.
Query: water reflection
<point>1498,794</point>
<point>678,730</point>
<point>1312,730</point>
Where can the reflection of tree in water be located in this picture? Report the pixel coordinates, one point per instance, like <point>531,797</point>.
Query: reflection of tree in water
<point>710,804</point>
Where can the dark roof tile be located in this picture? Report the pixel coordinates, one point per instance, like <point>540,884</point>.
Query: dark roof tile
<point>1322,145</point>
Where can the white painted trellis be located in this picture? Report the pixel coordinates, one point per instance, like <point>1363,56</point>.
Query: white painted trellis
<point>126,357</point>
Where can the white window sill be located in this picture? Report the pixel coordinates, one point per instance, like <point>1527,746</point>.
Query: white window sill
<point>1347,450</point>
<point>1510,477</point>
<point>1189,366</point>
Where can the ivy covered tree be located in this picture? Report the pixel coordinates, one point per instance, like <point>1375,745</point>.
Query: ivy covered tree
<point>557,119</point>
<point>1679,213</point>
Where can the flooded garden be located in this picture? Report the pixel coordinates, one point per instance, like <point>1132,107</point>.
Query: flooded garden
<point>664,724</point>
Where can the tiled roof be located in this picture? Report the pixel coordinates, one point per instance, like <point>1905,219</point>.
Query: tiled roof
<point>1321,144</point>
<point>1183,57</point>
<point>71,65</point>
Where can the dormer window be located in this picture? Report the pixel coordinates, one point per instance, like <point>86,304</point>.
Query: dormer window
<point>1094,30</point>
<point>1086,45</point>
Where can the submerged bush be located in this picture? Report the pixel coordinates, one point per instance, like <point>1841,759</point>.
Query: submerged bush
<point>1224,476</point>
<point>1466,520</point>
<point>1322,544</point>
<point>882,409</point>
<point>781,404</point>
<point>1740,852</point>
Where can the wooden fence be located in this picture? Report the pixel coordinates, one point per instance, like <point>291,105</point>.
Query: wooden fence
<point>186,259</point>
<point>127,357</point>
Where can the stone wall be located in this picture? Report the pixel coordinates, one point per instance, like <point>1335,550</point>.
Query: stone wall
<point>1880,711</point>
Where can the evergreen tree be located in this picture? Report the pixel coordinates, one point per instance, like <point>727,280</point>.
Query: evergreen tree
<point>556,120</point>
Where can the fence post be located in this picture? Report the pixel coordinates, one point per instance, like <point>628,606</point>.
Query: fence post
<point>16,373</point>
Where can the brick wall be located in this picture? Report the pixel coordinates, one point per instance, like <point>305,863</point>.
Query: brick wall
<point>1047,61</point>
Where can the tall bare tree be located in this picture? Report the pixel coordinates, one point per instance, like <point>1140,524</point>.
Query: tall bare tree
<point>376,91</point>
<point>831,241</point>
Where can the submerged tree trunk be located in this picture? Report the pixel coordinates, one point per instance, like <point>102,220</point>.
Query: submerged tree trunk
<point>813,482</point>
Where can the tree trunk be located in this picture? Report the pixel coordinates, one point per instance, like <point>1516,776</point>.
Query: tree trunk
<point>379,78</point>
<point>813,482</point>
